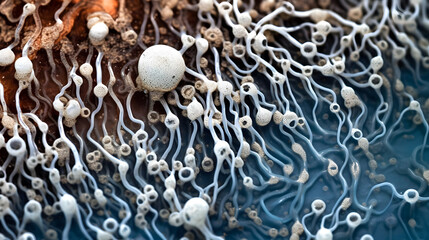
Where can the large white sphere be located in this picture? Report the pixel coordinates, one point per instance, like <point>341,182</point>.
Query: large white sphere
<point>161,68</point>
<point>195,212</point>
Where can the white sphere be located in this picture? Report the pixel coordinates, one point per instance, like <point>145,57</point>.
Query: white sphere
<point>222,150</point>
<point>33,209</point>
<point>248,182</point>
<point>23,65</point>
<point>73,109</point>
<point>334,107</point>
<point>195,110</point>
<point>124,231</point>
<point>161,68</point>
<point>202,45</point>
<point>377,63</point>
<point>323,27</point>
<point>86,69</point>
<point>239,31</point>
<point>324,234</point>
<point>260,43</point>
<point>245,151</point>
<point>54,176</point>
<point>225,88</point>
<point>347,92</point>
<point>187,40</point>
<point>263,116</point>
<point>290,119</point>
<point>153,167</point>
<point>28,9</point>
<point>98,32</point>
<point>100,90</point>
<point>175,219</point>
<point>206,5</point>
<point>224,8</point>
<point>78,80</point>
<point>244,19</point>
<point>68,204</point>
<point>414,105</point>
<point>195,212</point>
<point>123,167</point>
<point>6,57</point>
<point>249,89</point>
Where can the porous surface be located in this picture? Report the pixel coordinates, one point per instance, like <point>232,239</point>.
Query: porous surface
<point>161,68</point>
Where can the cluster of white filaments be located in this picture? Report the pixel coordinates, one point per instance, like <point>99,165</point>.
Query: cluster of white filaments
<point>255,111</point>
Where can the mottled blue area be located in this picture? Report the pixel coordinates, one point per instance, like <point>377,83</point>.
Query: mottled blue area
<point>393,221</point>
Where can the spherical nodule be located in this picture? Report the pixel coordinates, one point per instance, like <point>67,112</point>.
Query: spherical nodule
<point>206,5</point>
<point>195,212</point>
<point>6,57</point>
<point>161,68</point>
<point>73,109</point>
<point>68,204</point>
<point>98,32</point>
<point>23,65</point>
<point>324,234</point>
